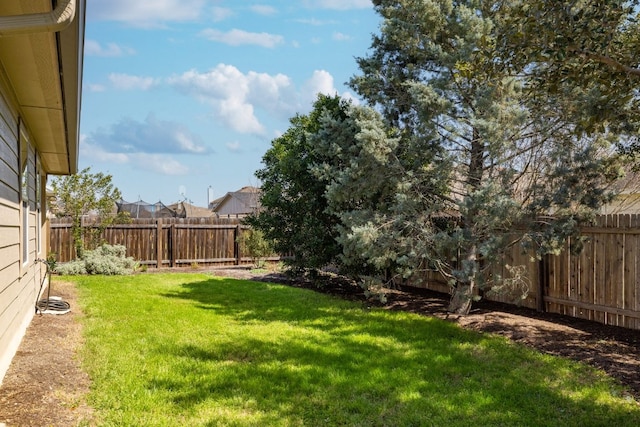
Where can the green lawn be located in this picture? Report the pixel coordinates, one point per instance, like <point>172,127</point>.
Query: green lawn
<point>194,350</point>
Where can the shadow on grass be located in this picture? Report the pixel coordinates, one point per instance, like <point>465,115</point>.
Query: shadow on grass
<point>327,361</point>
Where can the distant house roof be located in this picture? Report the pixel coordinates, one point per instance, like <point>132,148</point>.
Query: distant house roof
<point>187,210</point>
<point>142,209</point>
<point>239,203</point>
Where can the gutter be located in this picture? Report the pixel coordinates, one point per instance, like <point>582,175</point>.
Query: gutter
<point>51,22</point>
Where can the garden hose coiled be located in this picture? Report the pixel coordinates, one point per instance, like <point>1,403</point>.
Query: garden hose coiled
<point>50,305</point>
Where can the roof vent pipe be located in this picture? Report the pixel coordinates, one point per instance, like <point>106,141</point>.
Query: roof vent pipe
<point>54,21</point>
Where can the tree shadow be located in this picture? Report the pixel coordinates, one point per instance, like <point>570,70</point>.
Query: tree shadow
<point>388,370</point>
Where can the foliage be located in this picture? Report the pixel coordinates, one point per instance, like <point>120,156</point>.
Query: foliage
<point>472,134</point>
<point>294,215</point>
<point>52,261</point>
<point>255,245</point>
<point>585,53</point>
<point>106,260</point>
<point>82,194</point>
<point>189,349</point>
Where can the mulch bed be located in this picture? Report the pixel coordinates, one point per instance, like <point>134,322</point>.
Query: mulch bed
<point>46,387</point>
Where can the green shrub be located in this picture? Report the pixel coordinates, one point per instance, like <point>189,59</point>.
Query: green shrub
<point>71,268</point>
<point>106,259</point>
<point>254,244</point>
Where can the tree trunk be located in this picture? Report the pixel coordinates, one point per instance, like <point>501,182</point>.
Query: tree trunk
<point>463,293</point>
<point>462,296</point>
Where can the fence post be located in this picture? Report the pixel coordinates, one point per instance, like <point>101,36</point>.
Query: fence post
<point>236,244</point>
<point>543,274</point>
<point>159,236</point>
<point>174,245</point>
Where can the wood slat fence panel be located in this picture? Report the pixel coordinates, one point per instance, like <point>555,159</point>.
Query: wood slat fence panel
<point>600,284</point>
<point>165,242</point>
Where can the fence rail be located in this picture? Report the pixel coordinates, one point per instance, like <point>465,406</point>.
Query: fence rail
<point>601,284</point>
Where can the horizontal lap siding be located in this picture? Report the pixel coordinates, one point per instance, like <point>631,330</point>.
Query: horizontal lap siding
<point>19,284</point>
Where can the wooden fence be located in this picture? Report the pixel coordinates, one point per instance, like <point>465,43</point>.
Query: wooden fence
<point>165,242</point>
<point>601,284</point>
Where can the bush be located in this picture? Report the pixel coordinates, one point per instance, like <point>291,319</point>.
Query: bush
<point>107,259</point>
<point>254,244</point>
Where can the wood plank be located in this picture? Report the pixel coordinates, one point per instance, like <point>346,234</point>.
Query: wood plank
<point>596,307</point>
<point>600,271</point>
<point>632,272</point>
<point>586,284</point>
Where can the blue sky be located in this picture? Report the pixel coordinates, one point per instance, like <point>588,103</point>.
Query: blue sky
<point>183,95</point>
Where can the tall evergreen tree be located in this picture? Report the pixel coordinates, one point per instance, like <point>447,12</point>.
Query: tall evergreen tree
<point>474,142</point>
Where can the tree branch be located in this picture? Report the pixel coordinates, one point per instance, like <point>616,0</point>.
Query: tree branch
<point>603,59</point>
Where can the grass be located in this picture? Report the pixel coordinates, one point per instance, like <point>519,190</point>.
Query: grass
<point>193,350</point>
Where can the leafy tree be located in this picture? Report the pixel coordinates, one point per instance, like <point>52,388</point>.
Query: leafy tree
<point>476,143</point>
<point>82,194</point>
<point>294,215</point>
<point>582,50</point>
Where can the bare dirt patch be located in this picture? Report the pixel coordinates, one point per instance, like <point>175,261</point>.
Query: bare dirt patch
<point>46,386</point>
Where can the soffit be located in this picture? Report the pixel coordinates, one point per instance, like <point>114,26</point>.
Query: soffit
<point>44,71</point>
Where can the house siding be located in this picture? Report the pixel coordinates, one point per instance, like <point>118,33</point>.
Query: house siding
<point>19,280</point>
<point>232,206</point>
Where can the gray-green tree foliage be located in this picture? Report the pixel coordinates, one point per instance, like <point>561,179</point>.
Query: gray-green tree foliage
<point>470,150</point>
<point>81,194</point>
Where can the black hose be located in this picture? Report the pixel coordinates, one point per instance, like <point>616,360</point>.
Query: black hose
<point>48,303</point>
<point>53,305</point>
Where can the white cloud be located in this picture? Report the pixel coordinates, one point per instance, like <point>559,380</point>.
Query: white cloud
<point>320,82</point>
<point>314,22</point>
<point>148,14</point>
<point>339,4</point>
<point>237,37</point>
<point>238,98</point>
<point>157,163</point>
<point>161,164</point>
<point>95,87</point>
<point>89,150</point>
<point>129,82</point>
<point>233,146</point>
<point>221,13</point>
<point>128,137</point>
<point>263,9</point>
<point>234,95</point>
<point>341,36</point>
<point>111,50</point>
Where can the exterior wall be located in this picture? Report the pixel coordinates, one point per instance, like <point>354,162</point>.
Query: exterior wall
<point>623,204</point>
<point>20,278</point>
<point>231,206</point>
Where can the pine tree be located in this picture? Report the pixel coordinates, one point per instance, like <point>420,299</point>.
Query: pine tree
<point>475,142</point>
